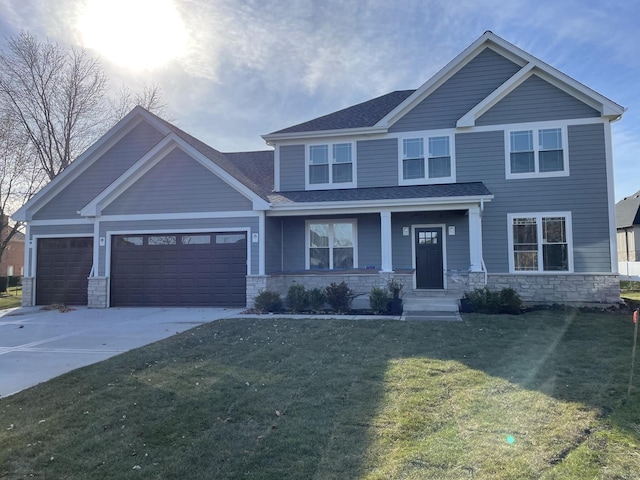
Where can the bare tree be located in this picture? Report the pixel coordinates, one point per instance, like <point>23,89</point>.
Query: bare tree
<point>20,177</point>
<point>57,96</point>
<point>149,98</point>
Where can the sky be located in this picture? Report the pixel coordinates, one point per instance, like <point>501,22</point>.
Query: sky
<point>232,70</point>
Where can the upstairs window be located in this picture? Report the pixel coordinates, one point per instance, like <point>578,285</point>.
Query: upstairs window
<point>330,165</point>
<point>536,152</point>
<point>426,160</point>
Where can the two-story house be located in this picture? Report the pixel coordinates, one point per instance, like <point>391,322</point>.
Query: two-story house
<point>497,171</point>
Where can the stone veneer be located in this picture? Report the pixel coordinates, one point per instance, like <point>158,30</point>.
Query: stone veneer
<point>27,291</point>
<point>575,289</point>
<point>97,292</point>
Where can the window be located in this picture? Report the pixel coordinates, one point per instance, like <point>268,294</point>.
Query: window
<point>331,244</point>
<point>536,152</point>
<point>540,243</point>
<point>426,159</point>
<point>330,165</point>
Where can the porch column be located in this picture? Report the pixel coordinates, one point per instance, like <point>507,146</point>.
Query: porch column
<point>261,243</point>
<point>385,240</point>
<point>475,239</point>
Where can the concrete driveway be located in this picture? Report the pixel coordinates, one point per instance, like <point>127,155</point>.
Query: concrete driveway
<point>37,345</point>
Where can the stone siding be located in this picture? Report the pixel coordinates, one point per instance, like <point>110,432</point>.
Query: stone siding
<point>27,291</point>
<point>561,289</point>
<point>255,283</point>
<point>97,292</point>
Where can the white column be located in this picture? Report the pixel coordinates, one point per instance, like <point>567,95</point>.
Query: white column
<point>385,240</point>
<point>475,239</point>
<point>262,243</point>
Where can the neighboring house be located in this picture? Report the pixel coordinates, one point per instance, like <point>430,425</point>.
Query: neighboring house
<point>497,171</point>
<point>12,259</point>
<point>628,225</point>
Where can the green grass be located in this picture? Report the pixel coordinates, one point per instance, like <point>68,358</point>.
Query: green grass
<point>541,395</point>
<point>630,290</point>
<point>11,299</point>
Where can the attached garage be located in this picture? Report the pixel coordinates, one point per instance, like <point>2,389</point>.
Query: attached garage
<point>63,268</point>
<point>184,269</point>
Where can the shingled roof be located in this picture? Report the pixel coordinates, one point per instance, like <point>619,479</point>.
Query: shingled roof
<point>450,190</point>
<point>628,211</point>
<point>365,114</point>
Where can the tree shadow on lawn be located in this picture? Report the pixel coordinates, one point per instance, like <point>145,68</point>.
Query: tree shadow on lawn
<point>275,398</point>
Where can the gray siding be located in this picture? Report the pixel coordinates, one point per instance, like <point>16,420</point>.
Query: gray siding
<point>442,109</point>
<point>168,226</point>
<point>178,183</point>
<point>291,167</point>
<point>377,163</point>
<point>481,156</point>
<point>101,174</point>
<point>293,243</point>
<point>273,245</point>
<point>536,100</point>
<point>369,246</point>
<point>457,246</point>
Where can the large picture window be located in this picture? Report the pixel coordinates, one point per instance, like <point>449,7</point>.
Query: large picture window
<point>536,152</point>
<point>426,159</point>
<point>540,243</point>
<point>330,165</point>
<point>331,244</point>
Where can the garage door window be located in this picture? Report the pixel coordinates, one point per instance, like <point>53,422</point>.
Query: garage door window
<point>129,241</point>
<point>227,238</point>
<point>162,240</point>
<point>196,239</point>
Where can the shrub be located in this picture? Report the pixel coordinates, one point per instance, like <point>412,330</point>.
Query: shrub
<point>267,301</point>
<point>13,281</point>
<point>297,298</point>
<point>379,300</point>
<point>484,300</point>
<point>395,288</point>
<point>339,296</point>
<point>316,299</point>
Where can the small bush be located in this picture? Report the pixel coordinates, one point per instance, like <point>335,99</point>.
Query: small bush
<point>297,298</point>
<point>316,299</point>
<point>379,300</point>
<point>484,300</point>
<point>339,296</point>
<point>395,288</point>
<point>267,301</point>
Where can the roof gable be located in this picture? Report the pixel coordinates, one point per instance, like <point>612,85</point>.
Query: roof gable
<point>628,211</point>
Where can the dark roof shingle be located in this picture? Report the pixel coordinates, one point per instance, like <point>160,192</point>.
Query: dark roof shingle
<point>628,211</point>
<point>365,114</point>
<point>472,189</point>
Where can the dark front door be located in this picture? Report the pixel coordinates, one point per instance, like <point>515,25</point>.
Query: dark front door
<point>429,267</point>
<point>62,270</point>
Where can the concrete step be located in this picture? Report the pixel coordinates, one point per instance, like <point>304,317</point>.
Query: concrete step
<point>434,304</point>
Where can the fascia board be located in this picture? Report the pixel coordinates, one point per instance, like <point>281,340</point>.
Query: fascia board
<point>154,156</point>
<point>87,158</point>
<point>297,208</point>
<point>469,119</point>
<point>275,137</point>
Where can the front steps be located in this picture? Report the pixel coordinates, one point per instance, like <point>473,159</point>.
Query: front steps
<point>430,301</point>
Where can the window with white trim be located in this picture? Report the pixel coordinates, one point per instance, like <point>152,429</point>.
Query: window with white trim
<point>536,152</point>
<point>331,244</point>
<point>540,242</point>
<point>426,159</point>
<point>330,164</point>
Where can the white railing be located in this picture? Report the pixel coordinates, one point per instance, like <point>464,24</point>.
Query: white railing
<point>629,270</point>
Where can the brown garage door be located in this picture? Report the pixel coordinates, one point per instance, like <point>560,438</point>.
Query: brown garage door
<point>195,269</point>
<point>62,269</point>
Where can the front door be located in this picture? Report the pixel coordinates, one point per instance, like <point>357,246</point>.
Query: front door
<point>429,266</point>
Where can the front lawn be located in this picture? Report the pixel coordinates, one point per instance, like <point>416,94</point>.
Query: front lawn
<point>541,395</point>
<point>10,299</point>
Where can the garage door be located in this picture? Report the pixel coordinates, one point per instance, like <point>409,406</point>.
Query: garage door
<point>62,270</point>
<point>195,269</point>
